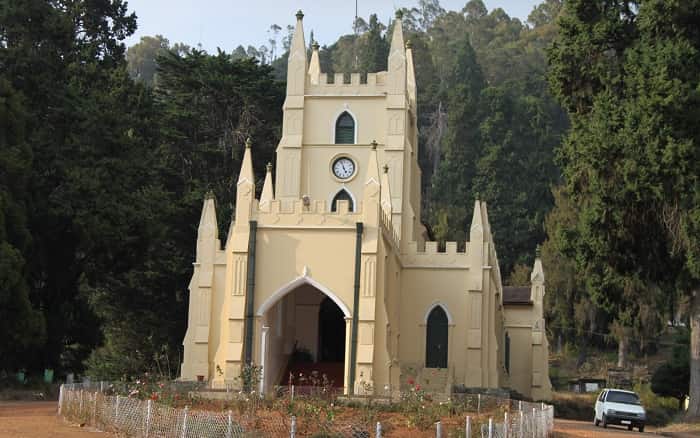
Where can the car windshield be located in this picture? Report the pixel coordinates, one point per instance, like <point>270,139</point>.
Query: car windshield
<point>622,397</point>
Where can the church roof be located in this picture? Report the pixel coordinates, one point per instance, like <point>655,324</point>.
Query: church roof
<point>516,295</point>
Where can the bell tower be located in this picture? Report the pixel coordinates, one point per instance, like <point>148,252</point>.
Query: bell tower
<point>332,122</point>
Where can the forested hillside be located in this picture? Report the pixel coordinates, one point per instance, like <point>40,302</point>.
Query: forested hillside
<point>107,153</point>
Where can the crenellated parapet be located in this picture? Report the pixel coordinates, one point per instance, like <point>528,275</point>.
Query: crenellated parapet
<point>336,85</point>
<point>388,230</point>
<point>432,256</point>
<point>305,212</point>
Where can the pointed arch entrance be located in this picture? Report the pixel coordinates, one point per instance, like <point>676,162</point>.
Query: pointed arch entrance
<point>304,329</point>
<point>436,338</point>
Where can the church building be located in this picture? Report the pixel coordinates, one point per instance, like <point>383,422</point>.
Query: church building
<point>330,269</point>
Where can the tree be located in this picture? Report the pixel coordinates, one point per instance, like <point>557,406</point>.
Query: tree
<point>452,184</point>
<point>627,74</point>
<point>141,58</point>
<point>58,57</point>
<point>672,378</point>
<point>21,323</point>
<point>375,51</point>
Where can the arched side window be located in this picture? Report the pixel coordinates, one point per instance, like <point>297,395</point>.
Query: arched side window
<point>345,129</point>
<point>436,339</point>
<point>343,195</point>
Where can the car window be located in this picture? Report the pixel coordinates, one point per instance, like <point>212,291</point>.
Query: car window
<point>602,394</point>
<point>623,397</point>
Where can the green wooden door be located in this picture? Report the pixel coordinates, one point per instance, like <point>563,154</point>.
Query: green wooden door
<point>436,339</point>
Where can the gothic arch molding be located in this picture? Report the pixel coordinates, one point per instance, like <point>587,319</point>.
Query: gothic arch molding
<point>289,287</point>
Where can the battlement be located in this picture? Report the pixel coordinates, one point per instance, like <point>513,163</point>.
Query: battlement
<point>336,84</point>
<point>388,229</point>
<point>305,213</point>
<point>431,255</point>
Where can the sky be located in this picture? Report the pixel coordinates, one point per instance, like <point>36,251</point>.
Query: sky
<point>229,23</point>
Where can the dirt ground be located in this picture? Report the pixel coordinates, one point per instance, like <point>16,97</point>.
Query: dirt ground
<point>37,419</point>
<point>586,429</point>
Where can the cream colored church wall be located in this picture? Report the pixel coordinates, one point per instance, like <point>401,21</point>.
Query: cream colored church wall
<point>320,115</point>
<point>318,181</point>
<point>421,289</point>
<point>283,255</point>
<point>217,316</point>
<point>386,370</point>
<point>520,374</point>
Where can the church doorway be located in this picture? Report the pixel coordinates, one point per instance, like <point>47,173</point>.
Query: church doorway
<point>436,339</point>
<point>304,337</point>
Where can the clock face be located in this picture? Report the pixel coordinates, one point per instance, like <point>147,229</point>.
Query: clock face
<point>343,168</point>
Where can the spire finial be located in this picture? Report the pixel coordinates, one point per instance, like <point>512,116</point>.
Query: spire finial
<point>248,143</point>
<point>409,44</point>
<point>538,251</point>
<point>268,167</point>
<point>386,168</point>
<point>300,15</point>
<point>209,194</point>
<point>315,45</point>
<point>374,144</point>
<point>399,14</point>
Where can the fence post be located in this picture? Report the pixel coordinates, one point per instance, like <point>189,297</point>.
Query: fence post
<point>520,405</point>
<point>438,429</point>
<point>94,412</point>
<point>293,428</point>
<point>534,424</point>
<point>506,425</point>
<point>292,393</point>
<point>81,403</point>
<point>543,420</point>
<point>522,424</point>
<point>116,409</point>
<point>60,399</point>
<point>478,403</point>
<point>148,417</point>
<point>184,422</point>
<point>229,427</point>
<point>468,428</point>
<point>379,430</point>
<point>102,386</point>
<point>490,427</point>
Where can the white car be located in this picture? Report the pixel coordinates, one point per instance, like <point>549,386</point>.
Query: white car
<point>617,406</point>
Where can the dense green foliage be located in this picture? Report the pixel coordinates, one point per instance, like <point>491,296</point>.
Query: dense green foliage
<point>672,378</point>
<point>102,181</point>
<point>489,126</point>
<point>628,74</point>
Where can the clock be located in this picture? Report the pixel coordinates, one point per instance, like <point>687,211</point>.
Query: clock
<point>343,168</point>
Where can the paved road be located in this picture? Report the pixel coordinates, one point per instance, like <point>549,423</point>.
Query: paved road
<point>586,429</point>
<point>38,420</point>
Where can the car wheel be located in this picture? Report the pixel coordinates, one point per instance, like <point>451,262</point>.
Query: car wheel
<point>605,422</point>
<point>629,427</point>
<point>641,428</point>
<point>595,422</point>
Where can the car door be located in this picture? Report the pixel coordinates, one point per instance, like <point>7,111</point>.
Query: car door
<point>599,406</point>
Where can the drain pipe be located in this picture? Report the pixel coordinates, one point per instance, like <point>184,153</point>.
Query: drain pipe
<point>355,307</point>
<point>249,294</point>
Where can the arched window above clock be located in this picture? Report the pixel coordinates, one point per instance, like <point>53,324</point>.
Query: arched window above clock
<point>343,195</point>
<point>345,129</point>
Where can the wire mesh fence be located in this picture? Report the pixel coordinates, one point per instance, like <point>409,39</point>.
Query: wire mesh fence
<point>103,406</point>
